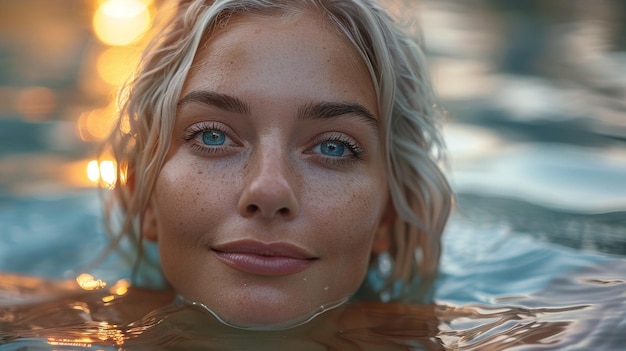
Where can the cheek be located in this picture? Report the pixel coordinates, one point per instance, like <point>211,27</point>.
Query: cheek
<point>188,212</point>
<point>186,199</point>
<point>351,244</point>
<point>353,211</point>
<point>351,203</point>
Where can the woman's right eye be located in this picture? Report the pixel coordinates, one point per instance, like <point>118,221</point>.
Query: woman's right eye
<point>209,137</point>
<point>213,137</point>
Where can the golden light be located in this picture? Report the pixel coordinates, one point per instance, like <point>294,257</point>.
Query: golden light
<point>100,2</point>
<point>77,342</point>
<point>78,173</point>
<point>125,125</point>
<point>115,64</point>
<point>120,288</point>
<point>121,22</point>
<point>107,299</point>
<point>110,332</point>
<point>88,282</point>
<point>102,171</point>
<point>93,171</point>
<point>96,125</point>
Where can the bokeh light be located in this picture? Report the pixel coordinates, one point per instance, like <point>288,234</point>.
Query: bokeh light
<point>121,22</point>
<point>115,64</point>
<point>120,288</point>
<point>88,282</point>
<point>96,124</point>
<point>102,171</point>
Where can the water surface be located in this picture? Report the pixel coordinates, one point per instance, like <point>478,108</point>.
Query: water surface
<point>500,288</point>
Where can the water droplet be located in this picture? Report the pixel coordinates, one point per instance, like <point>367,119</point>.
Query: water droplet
<point>326,288</point>
<point>304,278</point>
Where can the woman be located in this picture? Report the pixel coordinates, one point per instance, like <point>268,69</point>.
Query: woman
<point>276,149</point>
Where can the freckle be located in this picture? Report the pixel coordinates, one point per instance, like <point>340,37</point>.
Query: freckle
<point>258,31</point>
<point>200,172</point>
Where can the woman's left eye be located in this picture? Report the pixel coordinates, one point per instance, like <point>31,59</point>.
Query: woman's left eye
<point>339,148</point>
<point>333,148</point>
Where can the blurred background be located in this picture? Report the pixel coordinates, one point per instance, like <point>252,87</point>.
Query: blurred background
<point>61,62</point>
<point>506,71</point>
<point>534,93</point>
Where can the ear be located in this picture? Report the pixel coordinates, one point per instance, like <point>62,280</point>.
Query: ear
<point>382,240</point>
<point>149,224</point>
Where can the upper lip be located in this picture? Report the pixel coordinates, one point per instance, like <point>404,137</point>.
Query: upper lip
<point>275,249</point>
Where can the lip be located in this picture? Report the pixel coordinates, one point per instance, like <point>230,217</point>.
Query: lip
<point>259,258</point>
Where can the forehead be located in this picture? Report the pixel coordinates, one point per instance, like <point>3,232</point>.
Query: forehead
<point>280,51</point>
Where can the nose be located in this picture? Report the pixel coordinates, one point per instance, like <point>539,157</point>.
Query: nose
<point>269,190</point>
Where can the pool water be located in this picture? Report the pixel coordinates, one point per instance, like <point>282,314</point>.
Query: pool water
<point>501,287</point>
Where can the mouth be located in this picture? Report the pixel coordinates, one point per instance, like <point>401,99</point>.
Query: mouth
<point>268,259</point>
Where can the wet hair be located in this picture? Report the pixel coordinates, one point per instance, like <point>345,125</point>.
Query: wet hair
<point>421,196</point>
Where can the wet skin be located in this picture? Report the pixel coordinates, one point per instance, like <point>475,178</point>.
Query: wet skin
<point>274,184</point>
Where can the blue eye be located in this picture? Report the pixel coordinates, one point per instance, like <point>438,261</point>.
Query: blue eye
<point>332,148</point>
<point>213,137</point>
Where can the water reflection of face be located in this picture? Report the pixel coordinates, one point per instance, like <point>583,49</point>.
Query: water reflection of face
<point>274,184</point>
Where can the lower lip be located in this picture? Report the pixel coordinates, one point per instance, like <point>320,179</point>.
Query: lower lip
<point>264,265</point>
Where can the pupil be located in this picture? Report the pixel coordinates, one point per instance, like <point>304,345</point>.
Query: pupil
<point>213,138</point>
<point>332,148</point>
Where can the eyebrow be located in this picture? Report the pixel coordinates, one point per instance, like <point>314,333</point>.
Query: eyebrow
<point>221,101</point>
<point>309,111</point>
<point>329,110</point>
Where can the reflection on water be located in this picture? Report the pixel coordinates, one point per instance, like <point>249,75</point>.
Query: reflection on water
<point>503,283</point>
<point>586,311</point>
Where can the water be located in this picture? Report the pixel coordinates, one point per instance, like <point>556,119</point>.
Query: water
<point>534,254</point>
<point>500,287</point>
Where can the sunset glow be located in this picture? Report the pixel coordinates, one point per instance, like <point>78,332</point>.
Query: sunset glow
<point>121,22</point>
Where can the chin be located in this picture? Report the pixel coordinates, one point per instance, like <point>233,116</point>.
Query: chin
<point>260,312</point>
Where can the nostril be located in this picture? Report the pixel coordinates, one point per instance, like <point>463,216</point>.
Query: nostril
<point>252,208</point>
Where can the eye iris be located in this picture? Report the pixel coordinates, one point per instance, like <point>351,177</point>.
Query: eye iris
<point>332,148</point>
<point>213,138</point>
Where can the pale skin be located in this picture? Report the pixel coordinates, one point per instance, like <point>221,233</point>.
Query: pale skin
<point>277,145</point>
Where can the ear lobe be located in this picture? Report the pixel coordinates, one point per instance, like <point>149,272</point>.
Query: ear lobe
<point>382,240</point>
<point>149,224</point>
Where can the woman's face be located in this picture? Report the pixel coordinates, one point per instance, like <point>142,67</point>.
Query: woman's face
<point>274,184</point>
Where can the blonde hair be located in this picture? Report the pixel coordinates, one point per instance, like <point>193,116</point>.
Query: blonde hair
<point>420,193</point>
